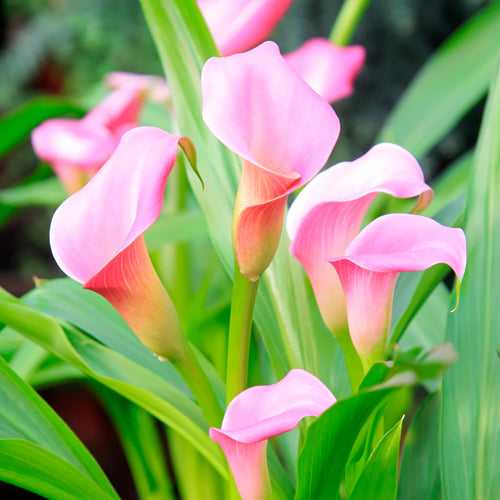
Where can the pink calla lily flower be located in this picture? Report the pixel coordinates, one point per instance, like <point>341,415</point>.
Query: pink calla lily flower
<point>371,264</point>
<point>239,25</point>
<point>330,70</point>
<point>260,413</point>
<point>283,131</point>
<point>155,87</point>
<point>76,149</point>
<point>96,235</point>
<point>327,215</point>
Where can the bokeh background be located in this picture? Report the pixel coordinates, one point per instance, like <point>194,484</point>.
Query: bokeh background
<point>66,47</point>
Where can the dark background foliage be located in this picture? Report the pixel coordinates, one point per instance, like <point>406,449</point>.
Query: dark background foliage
<point>67,46</point>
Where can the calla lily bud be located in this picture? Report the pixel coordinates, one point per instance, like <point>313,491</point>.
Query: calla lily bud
<point>329,69</point>
<point>282,130</point>
<point>260,413</point>
<point>327,215</point>
<point>372,262</point>
<point>96,236</point>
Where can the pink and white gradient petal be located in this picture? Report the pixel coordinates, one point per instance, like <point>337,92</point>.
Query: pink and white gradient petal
<point>371,264</point>
<point>282,130</point>
<point>96,234</point>
<point>260,413</point>
<point>327,215</point>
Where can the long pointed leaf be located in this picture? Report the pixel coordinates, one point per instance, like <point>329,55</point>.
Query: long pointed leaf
<point>470,419</point>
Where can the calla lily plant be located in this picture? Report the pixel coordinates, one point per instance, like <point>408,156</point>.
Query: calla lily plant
<point>313,257</point>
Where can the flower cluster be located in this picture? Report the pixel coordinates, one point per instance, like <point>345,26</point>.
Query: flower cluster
<point>274,113</point>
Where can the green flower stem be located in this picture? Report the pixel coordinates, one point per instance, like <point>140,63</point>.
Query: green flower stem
<point>352,360</point>
<point>347,20</point>
<point>240,327</point>
<point>196,378</point>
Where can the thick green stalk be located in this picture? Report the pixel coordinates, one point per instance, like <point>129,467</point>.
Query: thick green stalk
<point>240,328</point>
<point>347,20</point>
<point>197,379</point>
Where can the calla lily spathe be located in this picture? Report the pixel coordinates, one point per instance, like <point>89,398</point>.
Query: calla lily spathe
<point>155,87</point>
<point>260,413</point>
<point>327,215</point>
<point>372,262</point>
<point>96,235</point>
<point>283,131</point>
<point>76,149</point>
<point>239,25</point>
<point>330,70</point>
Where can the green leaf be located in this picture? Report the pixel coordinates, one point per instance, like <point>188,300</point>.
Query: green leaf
<point>379,478</point>
<point>142,444</point>
<point>330,439</point>
<point>38,451</point>
<point>171,228</point>
<point>419,476</point>
<point>153,392</point>
<point>46,192</point>
<point>450,185</point>
<point>470,412</point>
<point>445,90</point>
<point>16,126</point>
<point>285,313</point>
<point>68,301</point>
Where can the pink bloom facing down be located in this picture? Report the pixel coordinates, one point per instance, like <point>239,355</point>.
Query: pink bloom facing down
<point>369,268</point>
<point>96,235</point>
<point>283,131</point>
<point>76,149</point>
<point>260,413</point>
<point>239,25</point>
<point>330,70</point>
<point>154,86</point>
<point>327,215</point>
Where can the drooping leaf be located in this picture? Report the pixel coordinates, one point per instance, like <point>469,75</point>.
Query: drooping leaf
<point>445,90</point>
<point>470,411</point>
<point>162,397</point>
<point>37,449</point>
<point>67,300</point>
